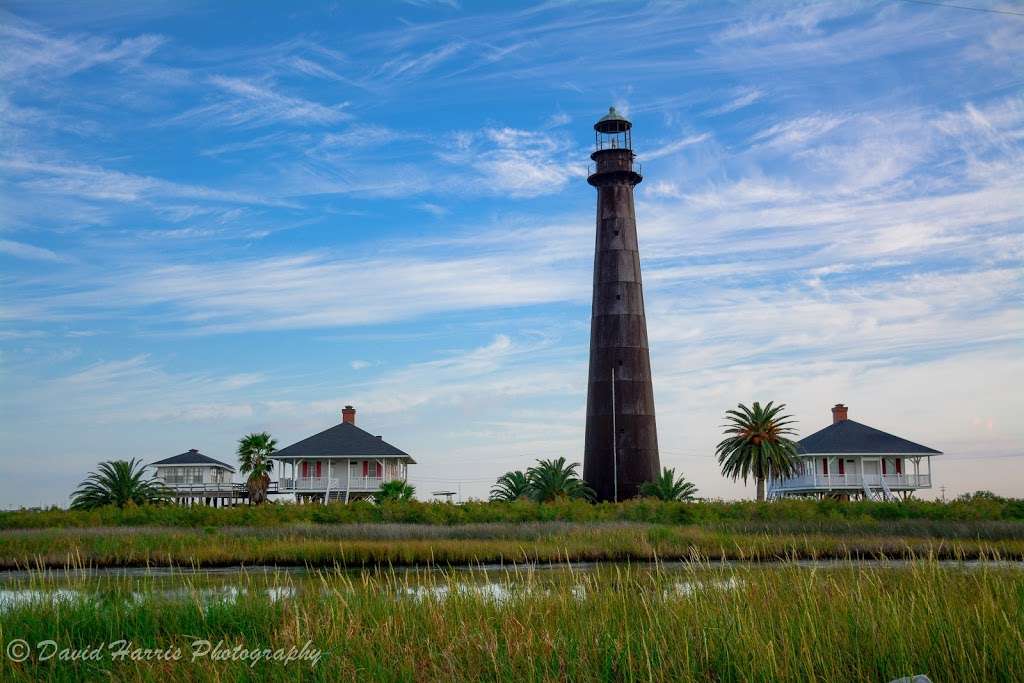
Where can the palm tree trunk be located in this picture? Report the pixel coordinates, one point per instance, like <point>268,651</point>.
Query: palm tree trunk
<point>760,489</point>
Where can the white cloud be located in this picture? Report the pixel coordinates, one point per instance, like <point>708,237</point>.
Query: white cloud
<point>673,147</point>
<point>94,182</point>
<point>797,132</point>
<point>433,209</point>
<point>253,103</point>
<point>28,251</point>
<point>31,51</point>
<point>743,97</point>
<point>408,66</point>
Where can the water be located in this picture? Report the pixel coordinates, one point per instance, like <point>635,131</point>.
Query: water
<point>228,585</point>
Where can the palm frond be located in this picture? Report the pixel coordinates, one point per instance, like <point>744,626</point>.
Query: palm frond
<point>118,482</point>
<point>757,442</point>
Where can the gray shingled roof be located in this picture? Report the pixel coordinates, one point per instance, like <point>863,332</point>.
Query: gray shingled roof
<point>343,439</point>
<point>847,436</point>
<point>192,457</point>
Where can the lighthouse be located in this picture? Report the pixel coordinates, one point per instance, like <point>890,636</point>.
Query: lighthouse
<point>621,446</point>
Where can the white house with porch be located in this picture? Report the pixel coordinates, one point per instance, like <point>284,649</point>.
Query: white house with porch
<point>342,463</point>
<point>194,478</point>
<point>848,460</point>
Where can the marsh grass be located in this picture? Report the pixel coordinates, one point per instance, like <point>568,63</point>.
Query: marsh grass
<point>698,621</point>
<point>985,508</point>
<point>373,545</point>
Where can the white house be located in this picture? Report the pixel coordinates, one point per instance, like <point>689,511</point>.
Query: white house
<point>196,478</point>
<point>342,463</point>
<point>848,459</point>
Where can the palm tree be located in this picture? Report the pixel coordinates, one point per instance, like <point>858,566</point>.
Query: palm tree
<point>757,444</point>
<point>667,487</point>
<point>511,486</point>
<point>118,482</point>
<point>254,456</point>
<point>553,479</point>
<point>396,490</point>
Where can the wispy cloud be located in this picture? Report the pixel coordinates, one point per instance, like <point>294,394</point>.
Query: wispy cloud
<point>252,103</point>
<point>411,66</point>
<point>673,147</point>
<point>744,97</point>
<point>27,251</point>
<point>30,50</point>
<point>94,182</point>
<point>797,132</point>
<point>519,163</point>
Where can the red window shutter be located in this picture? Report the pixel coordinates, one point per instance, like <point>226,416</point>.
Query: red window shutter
<point>883,466</point>
<point>824,466</point>
<point>366,468</point>
<point>380,469</point>
<point>842,466</point>
<point>899,465</point>
<point>318,468</point>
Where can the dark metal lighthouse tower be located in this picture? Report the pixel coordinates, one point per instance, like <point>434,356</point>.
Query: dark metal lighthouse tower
<point>621,449</point>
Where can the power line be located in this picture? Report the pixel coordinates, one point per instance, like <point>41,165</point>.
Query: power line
<point>972,9</point>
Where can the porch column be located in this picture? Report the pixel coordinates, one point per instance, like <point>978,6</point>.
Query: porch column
<point>863,484</point>
<point>348,477</point>
<point>327,494</point>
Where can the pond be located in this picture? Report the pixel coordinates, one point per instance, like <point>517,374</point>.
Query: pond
<point>495,583</point>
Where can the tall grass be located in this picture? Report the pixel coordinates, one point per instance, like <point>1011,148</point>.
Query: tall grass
<point>405,545</point>
<point>653,511</point>
<point>701,622</point>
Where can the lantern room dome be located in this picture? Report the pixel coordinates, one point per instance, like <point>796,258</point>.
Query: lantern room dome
<point>612,122</point>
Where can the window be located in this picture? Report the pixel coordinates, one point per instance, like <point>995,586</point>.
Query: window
<point>884,460</point>
<point>824,466</point>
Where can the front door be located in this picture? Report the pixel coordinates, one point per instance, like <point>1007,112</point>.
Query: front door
<point>872,471</point>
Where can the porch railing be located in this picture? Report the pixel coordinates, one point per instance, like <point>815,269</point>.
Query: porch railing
<point>365,483</point>
<point>335,483</point>
<point>234,488</point>
<point>853,481</point>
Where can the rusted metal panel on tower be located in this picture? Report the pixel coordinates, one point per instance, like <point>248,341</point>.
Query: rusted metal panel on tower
<point>621,434</point>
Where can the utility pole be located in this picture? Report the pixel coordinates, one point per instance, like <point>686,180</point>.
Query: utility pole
<point>615,442</point>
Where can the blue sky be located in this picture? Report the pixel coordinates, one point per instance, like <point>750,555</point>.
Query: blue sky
<point>220,221</point>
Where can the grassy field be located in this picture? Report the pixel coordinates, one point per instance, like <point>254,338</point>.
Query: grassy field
<point>382,544</point>
<point>700,622</point>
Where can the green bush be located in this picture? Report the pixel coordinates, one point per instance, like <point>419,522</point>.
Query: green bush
<point>968,508</point>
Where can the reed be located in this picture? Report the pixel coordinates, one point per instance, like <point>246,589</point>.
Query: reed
<point>375,545</point>
<point>698,622</point>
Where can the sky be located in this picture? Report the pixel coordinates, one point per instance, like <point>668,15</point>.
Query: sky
<point>215,221</point>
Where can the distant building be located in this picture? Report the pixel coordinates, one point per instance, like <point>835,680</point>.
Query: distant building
<point>848,459</point>
<point>342,463</point>
<point>194,478</point>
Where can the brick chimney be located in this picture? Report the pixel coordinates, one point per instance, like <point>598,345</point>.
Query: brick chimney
<point>348,414</point>
<point>838,413</point>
